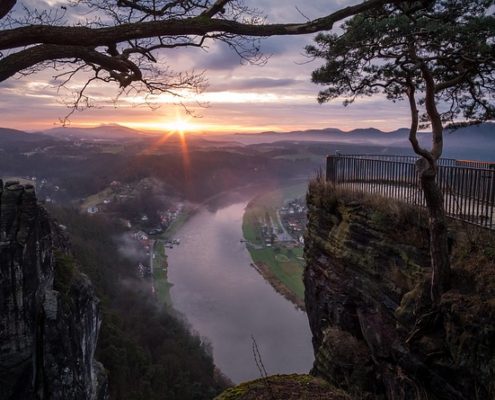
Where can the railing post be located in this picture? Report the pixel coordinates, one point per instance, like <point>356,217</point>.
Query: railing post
<point>332,169</point>
<point>331,172</point>
<point>492,199</point>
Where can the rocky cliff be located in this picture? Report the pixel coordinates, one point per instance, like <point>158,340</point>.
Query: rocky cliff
<point>49,314</point>
<point>375,333</point>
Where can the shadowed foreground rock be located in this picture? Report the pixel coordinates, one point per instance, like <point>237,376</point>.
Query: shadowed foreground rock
<point>49,315</point>
<point>286,387</point>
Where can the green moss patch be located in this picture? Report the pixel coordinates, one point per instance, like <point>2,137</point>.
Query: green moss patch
<point>65,271</point>
<point>284,387</point>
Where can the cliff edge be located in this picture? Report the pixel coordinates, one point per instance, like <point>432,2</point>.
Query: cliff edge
<point>375,333</point>
<point>49,317</point>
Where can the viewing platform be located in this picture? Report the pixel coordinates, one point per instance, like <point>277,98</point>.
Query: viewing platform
<point>468,186</point>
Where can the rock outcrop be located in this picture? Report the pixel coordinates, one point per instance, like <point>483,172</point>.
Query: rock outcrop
<point>49,314</point>
<point>375,333</point>
<point>285,387</point>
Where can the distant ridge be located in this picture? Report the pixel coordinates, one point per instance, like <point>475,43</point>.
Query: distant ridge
<point>485,130</point>
<point>475,142</point>
<point>334,131</point>
<point>111,131</point>
<point>14,136</point>
<point>359,136</point>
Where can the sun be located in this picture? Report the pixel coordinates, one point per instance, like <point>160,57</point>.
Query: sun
<point>180,125</point>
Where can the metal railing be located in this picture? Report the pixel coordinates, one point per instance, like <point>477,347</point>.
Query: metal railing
<point>398,158</point>
<point>468,186</point>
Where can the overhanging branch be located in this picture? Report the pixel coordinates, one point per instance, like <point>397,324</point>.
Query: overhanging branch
<point>201,25</point>
<point>217,7</point>
<point>27,58</point>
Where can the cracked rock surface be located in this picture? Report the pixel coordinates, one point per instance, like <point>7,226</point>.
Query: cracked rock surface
<point>375,332</point>
<point>49,314</point>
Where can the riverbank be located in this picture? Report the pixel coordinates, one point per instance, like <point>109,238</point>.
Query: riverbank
<point>179,222</point>
<point>159,259</point>
<point>276,256</point>
<point>267,274</point>
<point>159,266</point>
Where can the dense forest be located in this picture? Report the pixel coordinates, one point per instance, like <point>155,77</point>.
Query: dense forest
<point>147,349</point>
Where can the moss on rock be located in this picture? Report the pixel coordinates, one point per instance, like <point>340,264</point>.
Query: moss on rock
<point>64,273</point>
<point>285,387</point>
<point>375,332</point>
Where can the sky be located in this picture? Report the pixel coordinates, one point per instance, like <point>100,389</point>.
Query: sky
<point>276,96</point>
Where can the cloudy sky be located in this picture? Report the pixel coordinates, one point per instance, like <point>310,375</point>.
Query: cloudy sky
<point>239,98</point>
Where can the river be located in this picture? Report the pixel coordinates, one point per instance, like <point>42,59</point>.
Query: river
<point>225,300</point>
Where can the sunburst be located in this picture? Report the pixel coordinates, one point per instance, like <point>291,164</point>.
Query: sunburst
<point>179,125</point>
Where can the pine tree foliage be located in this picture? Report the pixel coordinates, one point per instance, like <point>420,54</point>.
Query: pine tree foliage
<point>384,51</point>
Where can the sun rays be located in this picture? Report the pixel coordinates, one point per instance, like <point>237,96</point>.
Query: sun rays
<point>180,125</point>
<point>175,132</point>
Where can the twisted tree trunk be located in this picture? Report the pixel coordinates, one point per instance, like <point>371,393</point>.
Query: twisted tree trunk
<point>439,250</point>
<point>427,169</point>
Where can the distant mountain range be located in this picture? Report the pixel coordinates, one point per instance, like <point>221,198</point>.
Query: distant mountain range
<point>358,136</point>
<point>474,133</point>
<point>476,142</point>
<point>473,141</point>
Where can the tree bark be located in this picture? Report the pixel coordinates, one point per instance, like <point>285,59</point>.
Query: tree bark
<point>428,167</point>
<point>32,56</point>
<point>439,250</point>
<point>439,245</point>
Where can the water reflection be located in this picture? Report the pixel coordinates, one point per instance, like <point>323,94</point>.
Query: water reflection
<point>227,301</point>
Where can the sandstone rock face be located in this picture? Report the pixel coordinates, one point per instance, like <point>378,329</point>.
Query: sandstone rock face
<point>375,333</point>
<point>49,314</point>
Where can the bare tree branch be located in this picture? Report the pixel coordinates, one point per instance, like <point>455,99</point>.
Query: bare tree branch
<point>201,25</point>
<point>217,7</point>
<point>44,52</point>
